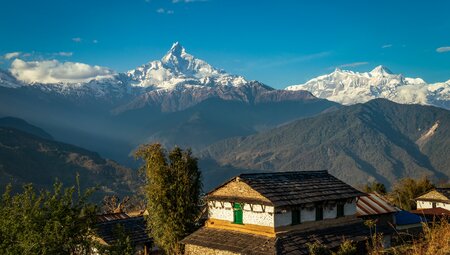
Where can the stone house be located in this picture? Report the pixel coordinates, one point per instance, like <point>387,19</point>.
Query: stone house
<point>107,226</point>
<point>278,213</point>
<point>437,198</point>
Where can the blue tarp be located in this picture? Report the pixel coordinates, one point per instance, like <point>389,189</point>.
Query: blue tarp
<point>406,218</point>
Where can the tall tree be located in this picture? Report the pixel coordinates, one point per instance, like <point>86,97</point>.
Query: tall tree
<point>173,186</point>
<point>404,191</point>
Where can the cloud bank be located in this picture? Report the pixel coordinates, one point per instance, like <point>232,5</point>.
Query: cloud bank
<point>53,71</point>
<point>11,55</point>
<point>443,49</point>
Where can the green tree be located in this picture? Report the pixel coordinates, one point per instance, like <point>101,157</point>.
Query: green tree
<point>375,187</point>
<point>122,245</point>
<point>48,222</point>
<point>173,186</point>
<point>404,191</point>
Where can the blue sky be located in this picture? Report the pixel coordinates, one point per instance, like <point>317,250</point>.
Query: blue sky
<point>277,42</point>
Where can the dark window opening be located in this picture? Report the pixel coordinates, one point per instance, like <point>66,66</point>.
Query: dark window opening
<point>296,217</point>
<point>340,210</point>
<point>319,213</point>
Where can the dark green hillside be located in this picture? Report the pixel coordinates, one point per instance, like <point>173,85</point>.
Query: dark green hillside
<point>26,158</point>
<point>20,124</point>
<point>378,140</point>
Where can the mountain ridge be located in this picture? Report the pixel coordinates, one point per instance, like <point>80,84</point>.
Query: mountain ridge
<point>348,87</point>
<point>378,140</point>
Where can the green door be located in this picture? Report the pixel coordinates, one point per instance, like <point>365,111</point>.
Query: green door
<point>237,209</point>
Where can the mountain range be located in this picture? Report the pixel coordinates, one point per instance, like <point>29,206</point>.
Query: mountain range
<point>348,87</point>
<point>238,125</point>
<point>378,140</point>
<point>178,100</point>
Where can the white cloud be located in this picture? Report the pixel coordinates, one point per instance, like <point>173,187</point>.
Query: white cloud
<point>386,46</point>
<point>63,54</point>
<point>443,49</point>
<point>11,55</point>
<point>76,39</point>
<point>354,64</point>
<point>53,71</point>
<point>164,11</point>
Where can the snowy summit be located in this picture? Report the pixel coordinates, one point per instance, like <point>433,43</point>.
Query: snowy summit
<point>348,87</point>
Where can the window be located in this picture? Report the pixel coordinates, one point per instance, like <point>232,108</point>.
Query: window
<point>340,210</point>
<point>237,213</point>
<point>296,217</point>
<point>319,213</point>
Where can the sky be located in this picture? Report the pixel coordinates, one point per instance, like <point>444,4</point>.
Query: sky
<point>279,43</point>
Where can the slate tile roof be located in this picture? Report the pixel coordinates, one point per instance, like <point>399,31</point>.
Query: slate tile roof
<point>296,187</point>
<point>233,241</point>
<point>290,243</point>
<point>444,191</point>
<point>294,243</point>
<point>135,227</point>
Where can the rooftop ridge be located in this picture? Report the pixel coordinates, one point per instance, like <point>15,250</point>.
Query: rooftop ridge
<point>284,172</point>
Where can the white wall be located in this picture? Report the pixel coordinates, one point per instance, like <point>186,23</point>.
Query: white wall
<point>427,204</point>
<point>350,208</point>
<point>260,215</point>
<point>216,211</point>
<point>308,215</point>
<point>265,216</point>
<point>283,219</point>
<point>329,212</point>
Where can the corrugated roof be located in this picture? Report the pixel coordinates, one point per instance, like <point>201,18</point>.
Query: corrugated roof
<point>296,187</point>
<point>373,204</point>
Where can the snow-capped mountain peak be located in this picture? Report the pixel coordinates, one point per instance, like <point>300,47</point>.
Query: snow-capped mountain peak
<point>348,87</point>
<point>381,71</point>
<point>179,68</point>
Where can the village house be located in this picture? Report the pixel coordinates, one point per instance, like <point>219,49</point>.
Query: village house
<point>434,204</point>
<point>278,213</point>
<point>437,198</point>
<point>108,227</point>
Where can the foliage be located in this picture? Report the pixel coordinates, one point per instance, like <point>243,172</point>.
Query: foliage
<point>173,188</point>
<point>435,240</point>
<point>48,222</point>
<point>113,204</point>
<point>318,248</point>
<point>121,247</point>
<point>404,191</point>
<point>347,248</point>
<point>375,187</point>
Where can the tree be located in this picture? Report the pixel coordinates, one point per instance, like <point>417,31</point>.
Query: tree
<point>48,222</point>
<point>173,186</point>
<point>375,187</point>
<point>404,192</point>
